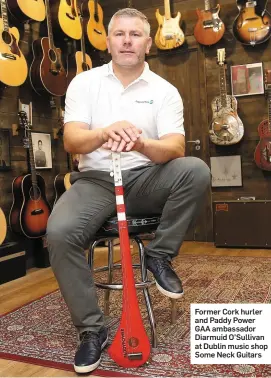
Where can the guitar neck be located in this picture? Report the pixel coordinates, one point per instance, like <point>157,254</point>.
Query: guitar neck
<point>207,5</point>
<point>223,85</point>
<point>96,14</point>
<point>49,25</point>
<point>167,9</point>
<point>269,110</point>
<point>4,14</point>
<point>32,165</point>
<point>83,45</point>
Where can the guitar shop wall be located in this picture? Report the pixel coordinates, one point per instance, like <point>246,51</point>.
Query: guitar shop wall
<point>239,202</point>
<point>41,119</point>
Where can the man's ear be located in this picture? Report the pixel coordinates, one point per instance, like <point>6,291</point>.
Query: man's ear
<point>107,44</point>
<point>149,43</point>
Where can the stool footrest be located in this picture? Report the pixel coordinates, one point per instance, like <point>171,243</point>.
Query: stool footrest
<point>117,286</point>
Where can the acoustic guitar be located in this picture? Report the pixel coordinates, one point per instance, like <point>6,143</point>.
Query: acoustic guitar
<point>30,209</point>
<point>78,62</point>
<point>93,24</point>
<point>13,66</point>
<point>169,35</point>
<point>226,127</point>
<point>3,226</point>
<point>262,154</point>
<point>209,28</point>
<point>47,73</point>
<point>250,28</point>
<point>65,16</point>
<point>131,346</point>
<point>24,10</point>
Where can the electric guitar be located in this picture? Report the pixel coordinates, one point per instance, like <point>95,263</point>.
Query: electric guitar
<point>13,66</point>
<point>169,35</point>
<point>131,346</point>
<point>262,154</point>
<point>92,11</point>
<point>65,17</point>
<point>249,28</point>
<point>30,210</point>
<point>209,28</point>
<point>24,10</point>
<point>3,226</point>
<point>226,127</point>
<point>47,73</point>
<point>78,62</point>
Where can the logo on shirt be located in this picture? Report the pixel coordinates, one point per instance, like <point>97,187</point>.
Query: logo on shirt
<point>144,102</point>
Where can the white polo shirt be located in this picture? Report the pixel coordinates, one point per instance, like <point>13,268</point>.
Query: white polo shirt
<point>98,98</point>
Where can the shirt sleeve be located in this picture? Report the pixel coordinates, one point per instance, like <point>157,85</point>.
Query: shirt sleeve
<point>78,101</point>
<point>170,116</point>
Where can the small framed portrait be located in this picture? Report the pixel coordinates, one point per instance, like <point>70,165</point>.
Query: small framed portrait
<point>226,170</point>
<point>247,79</point>
<point>5,161</point>
<point>42,150</point>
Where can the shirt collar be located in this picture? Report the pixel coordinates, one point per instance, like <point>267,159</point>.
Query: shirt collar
<point>144,76</point>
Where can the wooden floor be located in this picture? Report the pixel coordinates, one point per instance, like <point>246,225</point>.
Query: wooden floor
<point>39,282</point>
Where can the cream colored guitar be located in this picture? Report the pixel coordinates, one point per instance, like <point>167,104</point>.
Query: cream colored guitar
<point>68,18</point>
<point>3,226</point>
<point>13,66</point>
<point>24,10</point>
<point>169,34</point>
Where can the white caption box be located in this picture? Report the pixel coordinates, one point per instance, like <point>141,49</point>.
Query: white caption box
<point>230,333</point>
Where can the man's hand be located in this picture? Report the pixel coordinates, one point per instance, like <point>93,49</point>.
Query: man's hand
<point>122,146</point>
<point>120,136</point>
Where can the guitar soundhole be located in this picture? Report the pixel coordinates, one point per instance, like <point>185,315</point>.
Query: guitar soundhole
<point>68,2</point>
<point>6,37</point>
<point>32,194</point>
<point>85,67</point>
<point>52,55</point>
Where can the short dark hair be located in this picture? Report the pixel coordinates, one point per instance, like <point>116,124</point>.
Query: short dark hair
<point>39,141</point>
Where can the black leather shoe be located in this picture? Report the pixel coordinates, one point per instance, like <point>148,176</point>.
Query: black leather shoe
<point>88,355</point>
<point>166,279</point>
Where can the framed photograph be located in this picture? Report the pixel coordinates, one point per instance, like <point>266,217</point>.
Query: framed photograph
<point>5,161</point>
<point>42,150</point>
<point>226,171</point>
<point>247,79</point>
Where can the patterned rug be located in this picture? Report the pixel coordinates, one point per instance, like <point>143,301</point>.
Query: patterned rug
<point>41,332</point>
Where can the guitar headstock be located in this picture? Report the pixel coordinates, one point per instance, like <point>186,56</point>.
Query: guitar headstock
<point>221,55</point>
<point>23,121</point>
<point>116,169</point>
<point>267,79</point>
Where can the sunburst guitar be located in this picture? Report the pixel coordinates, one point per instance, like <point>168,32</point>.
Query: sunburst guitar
<point>93,23</point>
<point>13,66</point>
<point>262,154</point>
<point>169,34</point>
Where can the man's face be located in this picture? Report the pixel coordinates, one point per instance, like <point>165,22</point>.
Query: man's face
<point>40,145</point>
<point>127,42</point>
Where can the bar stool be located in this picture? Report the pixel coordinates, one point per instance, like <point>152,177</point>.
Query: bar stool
<point>109,232</point>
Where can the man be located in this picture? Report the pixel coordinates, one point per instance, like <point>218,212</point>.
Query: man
<point>40,157</point>
<point>122,106</point>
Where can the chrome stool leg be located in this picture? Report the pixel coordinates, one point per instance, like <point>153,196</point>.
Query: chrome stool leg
<point>146,291</point>
<point>109,276</point>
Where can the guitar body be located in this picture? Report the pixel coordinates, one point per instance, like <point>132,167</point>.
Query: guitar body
<point>209,28</point>
<point>13,66</point>
<point>76,65</point>
<point>29,216</point>
<point>169,35</point>
<point>65,17</point>
<point>251,29</point>
<point>24,10</point>
<point>3,226</point>
<point>262,154</point>
<point>94,26</point>
<point>47,75</point>
<point>226,127</point>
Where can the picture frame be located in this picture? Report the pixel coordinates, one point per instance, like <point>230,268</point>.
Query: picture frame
<point>5,158</point>
<point>247,79</point>
<point>226,171</point>
<point>42,150</point>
